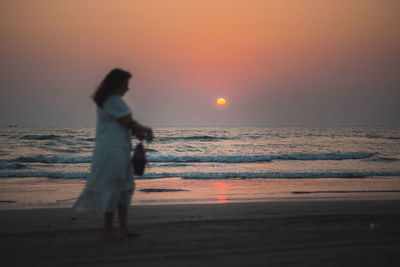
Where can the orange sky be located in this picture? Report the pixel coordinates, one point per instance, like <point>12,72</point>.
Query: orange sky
<point>217,48</point>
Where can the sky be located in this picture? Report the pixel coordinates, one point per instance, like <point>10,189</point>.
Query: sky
<point>283,62</point>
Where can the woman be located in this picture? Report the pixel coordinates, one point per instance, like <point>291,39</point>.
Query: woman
<point>110,185</point>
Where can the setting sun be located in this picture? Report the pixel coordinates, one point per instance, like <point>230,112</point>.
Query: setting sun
<point>221,102</point>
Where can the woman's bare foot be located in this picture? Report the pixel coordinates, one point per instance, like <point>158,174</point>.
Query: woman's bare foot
<point>113,237</point>
<point>129,233</point>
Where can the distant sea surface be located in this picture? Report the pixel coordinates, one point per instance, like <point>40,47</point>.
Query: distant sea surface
<point>32,157</point>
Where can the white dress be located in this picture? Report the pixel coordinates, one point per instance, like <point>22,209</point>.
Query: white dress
<point>111,176</point>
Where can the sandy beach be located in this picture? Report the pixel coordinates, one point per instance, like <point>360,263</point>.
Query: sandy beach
<point>301,233</point>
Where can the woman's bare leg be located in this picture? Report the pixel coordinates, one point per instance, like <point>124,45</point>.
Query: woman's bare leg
<point>123,221</point>
<point>108,220</point>
<point>123,218</point>
<point>108,232</point>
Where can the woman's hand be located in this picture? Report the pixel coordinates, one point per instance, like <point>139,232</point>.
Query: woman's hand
<point>149,135</point>
<point>139,135</point>
<point>146,133</point>
<point>139,131</point>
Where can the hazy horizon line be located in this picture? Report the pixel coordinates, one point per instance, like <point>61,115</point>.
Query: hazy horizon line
<point>204,126</point>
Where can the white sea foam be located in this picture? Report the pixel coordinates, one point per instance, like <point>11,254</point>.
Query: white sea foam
<point>52,159</point>
<point>209,158</point>
<point>44,174</point>
<point>263,158</point>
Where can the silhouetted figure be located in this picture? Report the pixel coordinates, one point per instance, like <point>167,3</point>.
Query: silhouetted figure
<point>110,185</point>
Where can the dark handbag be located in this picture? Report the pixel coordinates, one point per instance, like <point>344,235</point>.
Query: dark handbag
<point>139,159</point>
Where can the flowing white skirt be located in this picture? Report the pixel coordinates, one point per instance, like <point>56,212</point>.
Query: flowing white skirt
<point>110,182</point>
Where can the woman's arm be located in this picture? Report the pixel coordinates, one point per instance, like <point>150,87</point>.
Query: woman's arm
<point>138,130</point>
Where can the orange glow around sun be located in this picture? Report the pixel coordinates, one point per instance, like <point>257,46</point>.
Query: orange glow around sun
<point>221,102</point>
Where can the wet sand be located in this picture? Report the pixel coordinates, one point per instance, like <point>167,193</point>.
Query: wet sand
<point>300,233</point>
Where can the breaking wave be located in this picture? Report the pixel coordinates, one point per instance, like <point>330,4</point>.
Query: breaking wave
<point>374,136</point>
<point>263,158</point>
<point>205,158</point>
<point>191,138</point>
<point>53,159</point>
<point>41,137</point>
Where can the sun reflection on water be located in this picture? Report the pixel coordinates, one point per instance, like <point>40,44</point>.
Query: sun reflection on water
<point>222,189</point>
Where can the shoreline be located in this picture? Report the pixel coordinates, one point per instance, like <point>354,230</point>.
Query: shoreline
<point>291,197</point>
<point>294,197</point>
<point>302,233</point>
<point>31,193</point>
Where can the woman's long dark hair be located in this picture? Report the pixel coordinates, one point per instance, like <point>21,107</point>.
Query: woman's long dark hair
<point>116,78</point>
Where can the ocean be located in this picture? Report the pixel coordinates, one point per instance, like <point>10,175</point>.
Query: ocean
<point>45,167</point>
